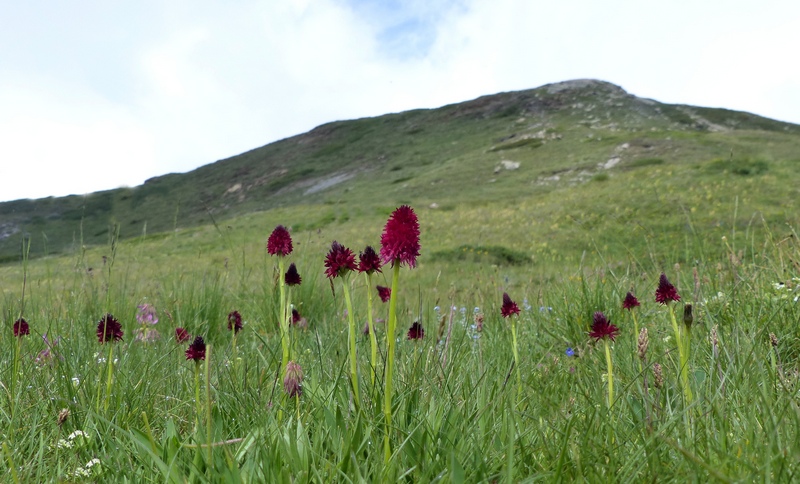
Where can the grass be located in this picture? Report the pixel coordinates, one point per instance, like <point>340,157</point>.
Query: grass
<point>561,245</point>
<point>457,413</point>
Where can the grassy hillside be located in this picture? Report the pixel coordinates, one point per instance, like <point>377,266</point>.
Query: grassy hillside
<point>566,197</point>
<point>582,141</point>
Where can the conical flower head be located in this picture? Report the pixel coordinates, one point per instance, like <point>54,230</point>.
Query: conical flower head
<point>385,293</point>
<point>509,307</point>
<point>339,261</point>
<point>416,331</point>
<point>293,380</point>
<point>197,350</point>
<point>666,292</point>
<point>279,242</point>
<point>602,327</point>
<point>146,314</point>
<point>108,329</point>
<point>234,321</point>
<point>368,261</point>
<point>181,335</point>
<point>21,328</point>
<point>400,238</point>
<point>630,301</point>
<point>292,277</point>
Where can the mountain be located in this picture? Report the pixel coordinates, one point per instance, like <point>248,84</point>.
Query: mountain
<point>495,148</point>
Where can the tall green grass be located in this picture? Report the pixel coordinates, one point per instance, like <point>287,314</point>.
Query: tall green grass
<point>456,413</point>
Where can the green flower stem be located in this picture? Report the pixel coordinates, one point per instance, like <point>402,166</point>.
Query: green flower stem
<point>773,361</point>
<point>208,404</point>
<point>282,321</point>
<point>110,375</point>
<point>687,351</point>
<point>390,346</point>
<point>352,337</point>
<point>198,407</point>
<point>233,347</point>
<point>683,357</point>
<point>636,338</point>
<point>610,373</point>
<point>15,374</point>
<point>373,339</point>
<point>287,319</point>
<point>516,355</point>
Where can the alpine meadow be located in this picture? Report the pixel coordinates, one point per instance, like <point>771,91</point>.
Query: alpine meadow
<point>560,284</point>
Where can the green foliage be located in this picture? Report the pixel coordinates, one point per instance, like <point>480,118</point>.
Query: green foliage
<point>457,414</point>
<point>493,254</point>
<point>517,143</point>
<point>639,162</point>
<point>738,166</point>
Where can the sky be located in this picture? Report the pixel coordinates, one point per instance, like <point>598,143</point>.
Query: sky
<point>96,95</point>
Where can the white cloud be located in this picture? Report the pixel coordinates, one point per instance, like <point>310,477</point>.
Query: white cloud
<point>749,70</point>
<point>54,144</point>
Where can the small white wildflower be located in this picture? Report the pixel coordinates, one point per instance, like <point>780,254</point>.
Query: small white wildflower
<point>64,444</point>
<point>79,438</point>
<point>76,381</point>
<point>81,472</point>
<point>76,434</point>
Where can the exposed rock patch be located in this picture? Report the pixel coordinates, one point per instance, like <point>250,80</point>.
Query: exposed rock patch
<point>328,182</point>
<point>7,230</point>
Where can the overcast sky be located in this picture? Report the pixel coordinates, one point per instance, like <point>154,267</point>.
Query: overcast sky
<point>95,94</point>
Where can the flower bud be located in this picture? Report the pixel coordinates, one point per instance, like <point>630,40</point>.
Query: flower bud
<point>641,349</point>
<point>293,380</point>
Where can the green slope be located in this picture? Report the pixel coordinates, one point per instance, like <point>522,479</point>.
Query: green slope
<point>583,152</point>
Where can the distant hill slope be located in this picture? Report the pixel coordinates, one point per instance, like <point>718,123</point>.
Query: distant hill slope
<point>496,147</point>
